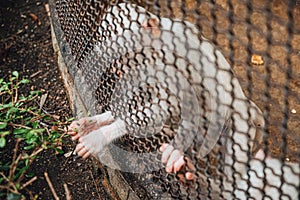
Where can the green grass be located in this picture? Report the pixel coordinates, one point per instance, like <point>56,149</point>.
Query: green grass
<point>30,131</point>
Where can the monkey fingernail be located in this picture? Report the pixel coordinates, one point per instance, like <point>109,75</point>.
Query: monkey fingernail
<point>189,176</point>
<point>169,169</point>
<point>163,147</point>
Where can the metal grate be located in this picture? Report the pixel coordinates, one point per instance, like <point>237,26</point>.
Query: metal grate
<point>218,80</point>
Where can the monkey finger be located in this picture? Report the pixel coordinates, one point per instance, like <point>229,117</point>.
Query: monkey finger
<point>176,154</point>
<point>71,133</point>
<point>178,164</point>
<point>189,176</point>
<point>163,146</point>
<point>74,125</point>
<point>189,166</point>
<point>79,147</point>
<point>75,137</point>
<point>83,152</point>
<point>86,155</point>
<point>166,153</point>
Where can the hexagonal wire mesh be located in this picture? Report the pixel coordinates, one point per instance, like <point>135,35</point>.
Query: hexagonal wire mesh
<point>158,67</point>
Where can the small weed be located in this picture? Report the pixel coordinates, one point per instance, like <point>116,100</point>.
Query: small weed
<point>26,128</point>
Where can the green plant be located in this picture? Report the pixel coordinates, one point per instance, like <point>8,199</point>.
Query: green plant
<point>30,130</point>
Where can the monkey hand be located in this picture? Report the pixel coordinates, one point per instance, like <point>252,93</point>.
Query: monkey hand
<point>86,125</point>
<point>94,133</point>
<point>176,162</point>
<point>94,142</point>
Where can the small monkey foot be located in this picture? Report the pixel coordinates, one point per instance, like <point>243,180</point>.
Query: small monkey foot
<point>175,162</point>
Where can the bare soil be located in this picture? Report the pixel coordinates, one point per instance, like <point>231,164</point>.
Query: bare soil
<point>274,85</point>
<point>275,35</point>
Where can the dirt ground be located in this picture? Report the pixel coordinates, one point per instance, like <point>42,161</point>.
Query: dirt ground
<point>26,46</point>
<point>274,85</point>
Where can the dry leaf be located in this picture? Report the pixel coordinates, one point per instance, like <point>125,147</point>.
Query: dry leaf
<point>43,100</point>
<point>257,60</point>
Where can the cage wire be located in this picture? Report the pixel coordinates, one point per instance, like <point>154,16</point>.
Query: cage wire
<point>217,80</point>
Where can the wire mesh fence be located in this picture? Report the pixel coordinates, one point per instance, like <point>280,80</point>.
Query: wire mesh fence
<point>204,95</point>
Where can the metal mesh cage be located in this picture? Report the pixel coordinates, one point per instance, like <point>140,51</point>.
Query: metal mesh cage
<point>216,80</point>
